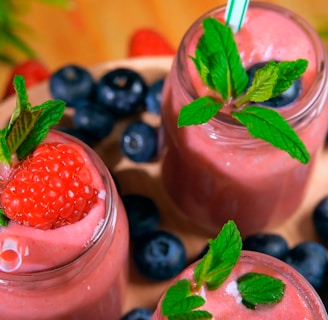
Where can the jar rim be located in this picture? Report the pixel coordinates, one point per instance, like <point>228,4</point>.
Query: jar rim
<point>108,225</point>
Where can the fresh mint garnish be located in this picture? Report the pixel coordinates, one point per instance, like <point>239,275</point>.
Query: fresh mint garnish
<point>219,65</point>
<point>218,62</point>
<point>257,288</point>
<point>28,126</point>
<point>199,110</point>
<point>272,127</point>
<point>183,299</point>
<point>180,303</point>
<point>222,256</point>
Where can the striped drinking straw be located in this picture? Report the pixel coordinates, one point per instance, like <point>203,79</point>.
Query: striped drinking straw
<point>235,13</point>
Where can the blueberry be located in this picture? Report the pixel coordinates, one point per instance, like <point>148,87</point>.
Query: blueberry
<point>320,219</point>
<point>71,84</point>
<point>159,255</point>
<point>309,258</point>
<point>154,97</point>
<point>282,99</point>
<point>138,314</point>
<point>142,212</point>
<point>139,141</point>
<point>122,91</point>
<point>271,244</point>
<point>93,120</point>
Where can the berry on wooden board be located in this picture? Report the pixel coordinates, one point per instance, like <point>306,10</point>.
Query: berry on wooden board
<point>149,42</point>
<point>33,71</point>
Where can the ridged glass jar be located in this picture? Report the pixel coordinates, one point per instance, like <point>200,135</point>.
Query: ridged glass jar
<point>216,171</point>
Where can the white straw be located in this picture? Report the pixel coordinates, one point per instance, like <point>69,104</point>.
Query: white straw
<point>235,13</point>
<point>10,255</point>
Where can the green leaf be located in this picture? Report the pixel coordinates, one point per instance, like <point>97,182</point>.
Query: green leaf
<point>3,218</point>
<point>264,82</point>
<point>21,129</point>
<point>52,112</point>
<point>217,60</point>
<point>257,288</point>
<point>22,102</point>
<point>28,126</point>
<point>5,156</point>
<point>13,39</point>
<point>270,126</point>
<point>289,71</point>
<point>198,111</point>
<point>179,303</point>
<point>222,256</point>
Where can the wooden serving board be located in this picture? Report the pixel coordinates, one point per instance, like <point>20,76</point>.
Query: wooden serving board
<point>145,178</point>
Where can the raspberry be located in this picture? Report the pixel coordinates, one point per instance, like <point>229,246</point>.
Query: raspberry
<point>49,189</point>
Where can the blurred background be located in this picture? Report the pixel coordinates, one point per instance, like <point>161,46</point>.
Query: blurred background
<point>58,32</point>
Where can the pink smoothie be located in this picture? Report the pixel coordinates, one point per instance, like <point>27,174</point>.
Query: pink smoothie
<point>300,300</point>
<point>78,271</point>
<point>215,172</point>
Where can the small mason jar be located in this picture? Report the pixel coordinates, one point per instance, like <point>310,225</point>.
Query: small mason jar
<point>77,271</point>
<point>300,300</point>
<point>216,171</point>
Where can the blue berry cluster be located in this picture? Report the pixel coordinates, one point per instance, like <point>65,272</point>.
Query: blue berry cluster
<point>119,94</point>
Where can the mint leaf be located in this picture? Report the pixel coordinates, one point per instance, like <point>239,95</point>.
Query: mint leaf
<point>3,218</point>
<point>179,303</point>
<point>20,129</point>
<point>264,82</point>
<point>222,256</point>
<point>270,126</point>
<point>217,60</point>
<point>5,156</point>
<point>22,102</point>
<point>51,112</point>
<point>257,288</point>
<point>198,111</point>
<point>28,126</point>
<point>289,71</point>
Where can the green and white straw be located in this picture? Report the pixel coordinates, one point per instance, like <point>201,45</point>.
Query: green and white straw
<point>235,13</point>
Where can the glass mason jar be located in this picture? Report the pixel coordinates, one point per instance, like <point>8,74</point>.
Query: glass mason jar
<point>300,300</point>
<point>216,171</point>
<point>78,271</point>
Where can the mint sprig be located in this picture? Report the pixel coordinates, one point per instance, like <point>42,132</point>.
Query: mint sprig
<point>183,299</point>
<point>258,288</point>
<point>28,126</point>
<point>222,256</point>
<point>272,127</point>
<point>218,62</point>
<point>180,303</point>
<point>219,65</point>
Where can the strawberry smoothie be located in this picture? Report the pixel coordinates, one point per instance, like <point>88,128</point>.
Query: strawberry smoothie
<point>77,271</point>
<point>300,300</point>
<point>216,171</point>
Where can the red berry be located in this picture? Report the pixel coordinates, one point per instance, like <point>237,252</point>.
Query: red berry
<point>50,189</point>
<point>32,70</point>
<point>148,42</point>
